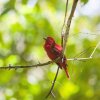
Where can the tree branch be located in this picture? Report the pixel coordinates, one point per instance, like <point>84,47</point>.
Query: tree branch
<point>66,34</point>
<point>26,66</point>
<point>29,66</point>
<point>63,27</point>
<point>53,83</point>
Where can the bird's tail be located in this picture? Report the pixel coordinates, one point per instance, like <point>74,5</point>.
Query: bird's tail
<point>65,68</point>
<point>66,71</point>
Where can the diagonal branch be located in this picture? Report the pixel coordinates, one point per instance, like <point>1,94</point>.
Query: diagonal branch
<point>66,34</point>
<point>64,23</point>
<point>94,50</point>
<point>53,83</point>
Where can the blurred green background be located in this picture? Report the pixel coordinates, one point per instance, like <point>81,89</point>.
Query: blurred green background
<point>23,24</point>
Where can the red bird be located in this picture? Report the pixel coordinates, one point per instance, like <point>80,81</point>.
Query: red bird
<point>54,51</point>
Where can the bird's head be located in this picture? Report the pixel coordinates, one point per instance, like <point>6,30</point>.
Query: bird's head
<point>49,40</point>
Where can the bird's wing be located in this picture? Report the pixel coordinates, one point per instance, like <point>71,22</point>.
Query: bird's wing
<point>57,49</point>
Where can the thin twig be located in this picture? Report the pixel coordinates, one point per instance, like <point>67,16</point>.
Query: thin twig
<point>79,58</point>
<point>52,94</point>
<point>26,66</point>
<point>90,57</point>
<point>53,83</point>
<point>62,31</point>
<point>66,34</point>
<point>94,50</point>
<point>29,66</point>
<point>81,53</point>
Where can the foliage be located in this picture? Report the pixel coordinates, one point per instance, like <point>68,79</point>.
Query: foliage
<point>23,24</point>
<point>84,1</point>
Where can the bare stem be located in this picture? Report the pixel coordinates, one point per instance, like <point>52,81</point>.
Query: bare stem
<point>90,57</point>
<point>63,27</point>
<point>26,66</point>
<point>94,50</point>
<point>66,34</point>
<point>53,83</point>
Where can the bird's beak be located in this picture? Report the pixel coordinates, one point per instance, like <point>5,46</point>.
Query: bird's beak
<point>45,38</point>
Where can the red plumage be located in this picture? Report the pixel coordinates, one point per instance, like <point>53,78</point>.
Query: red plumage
<point>54,51</point>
